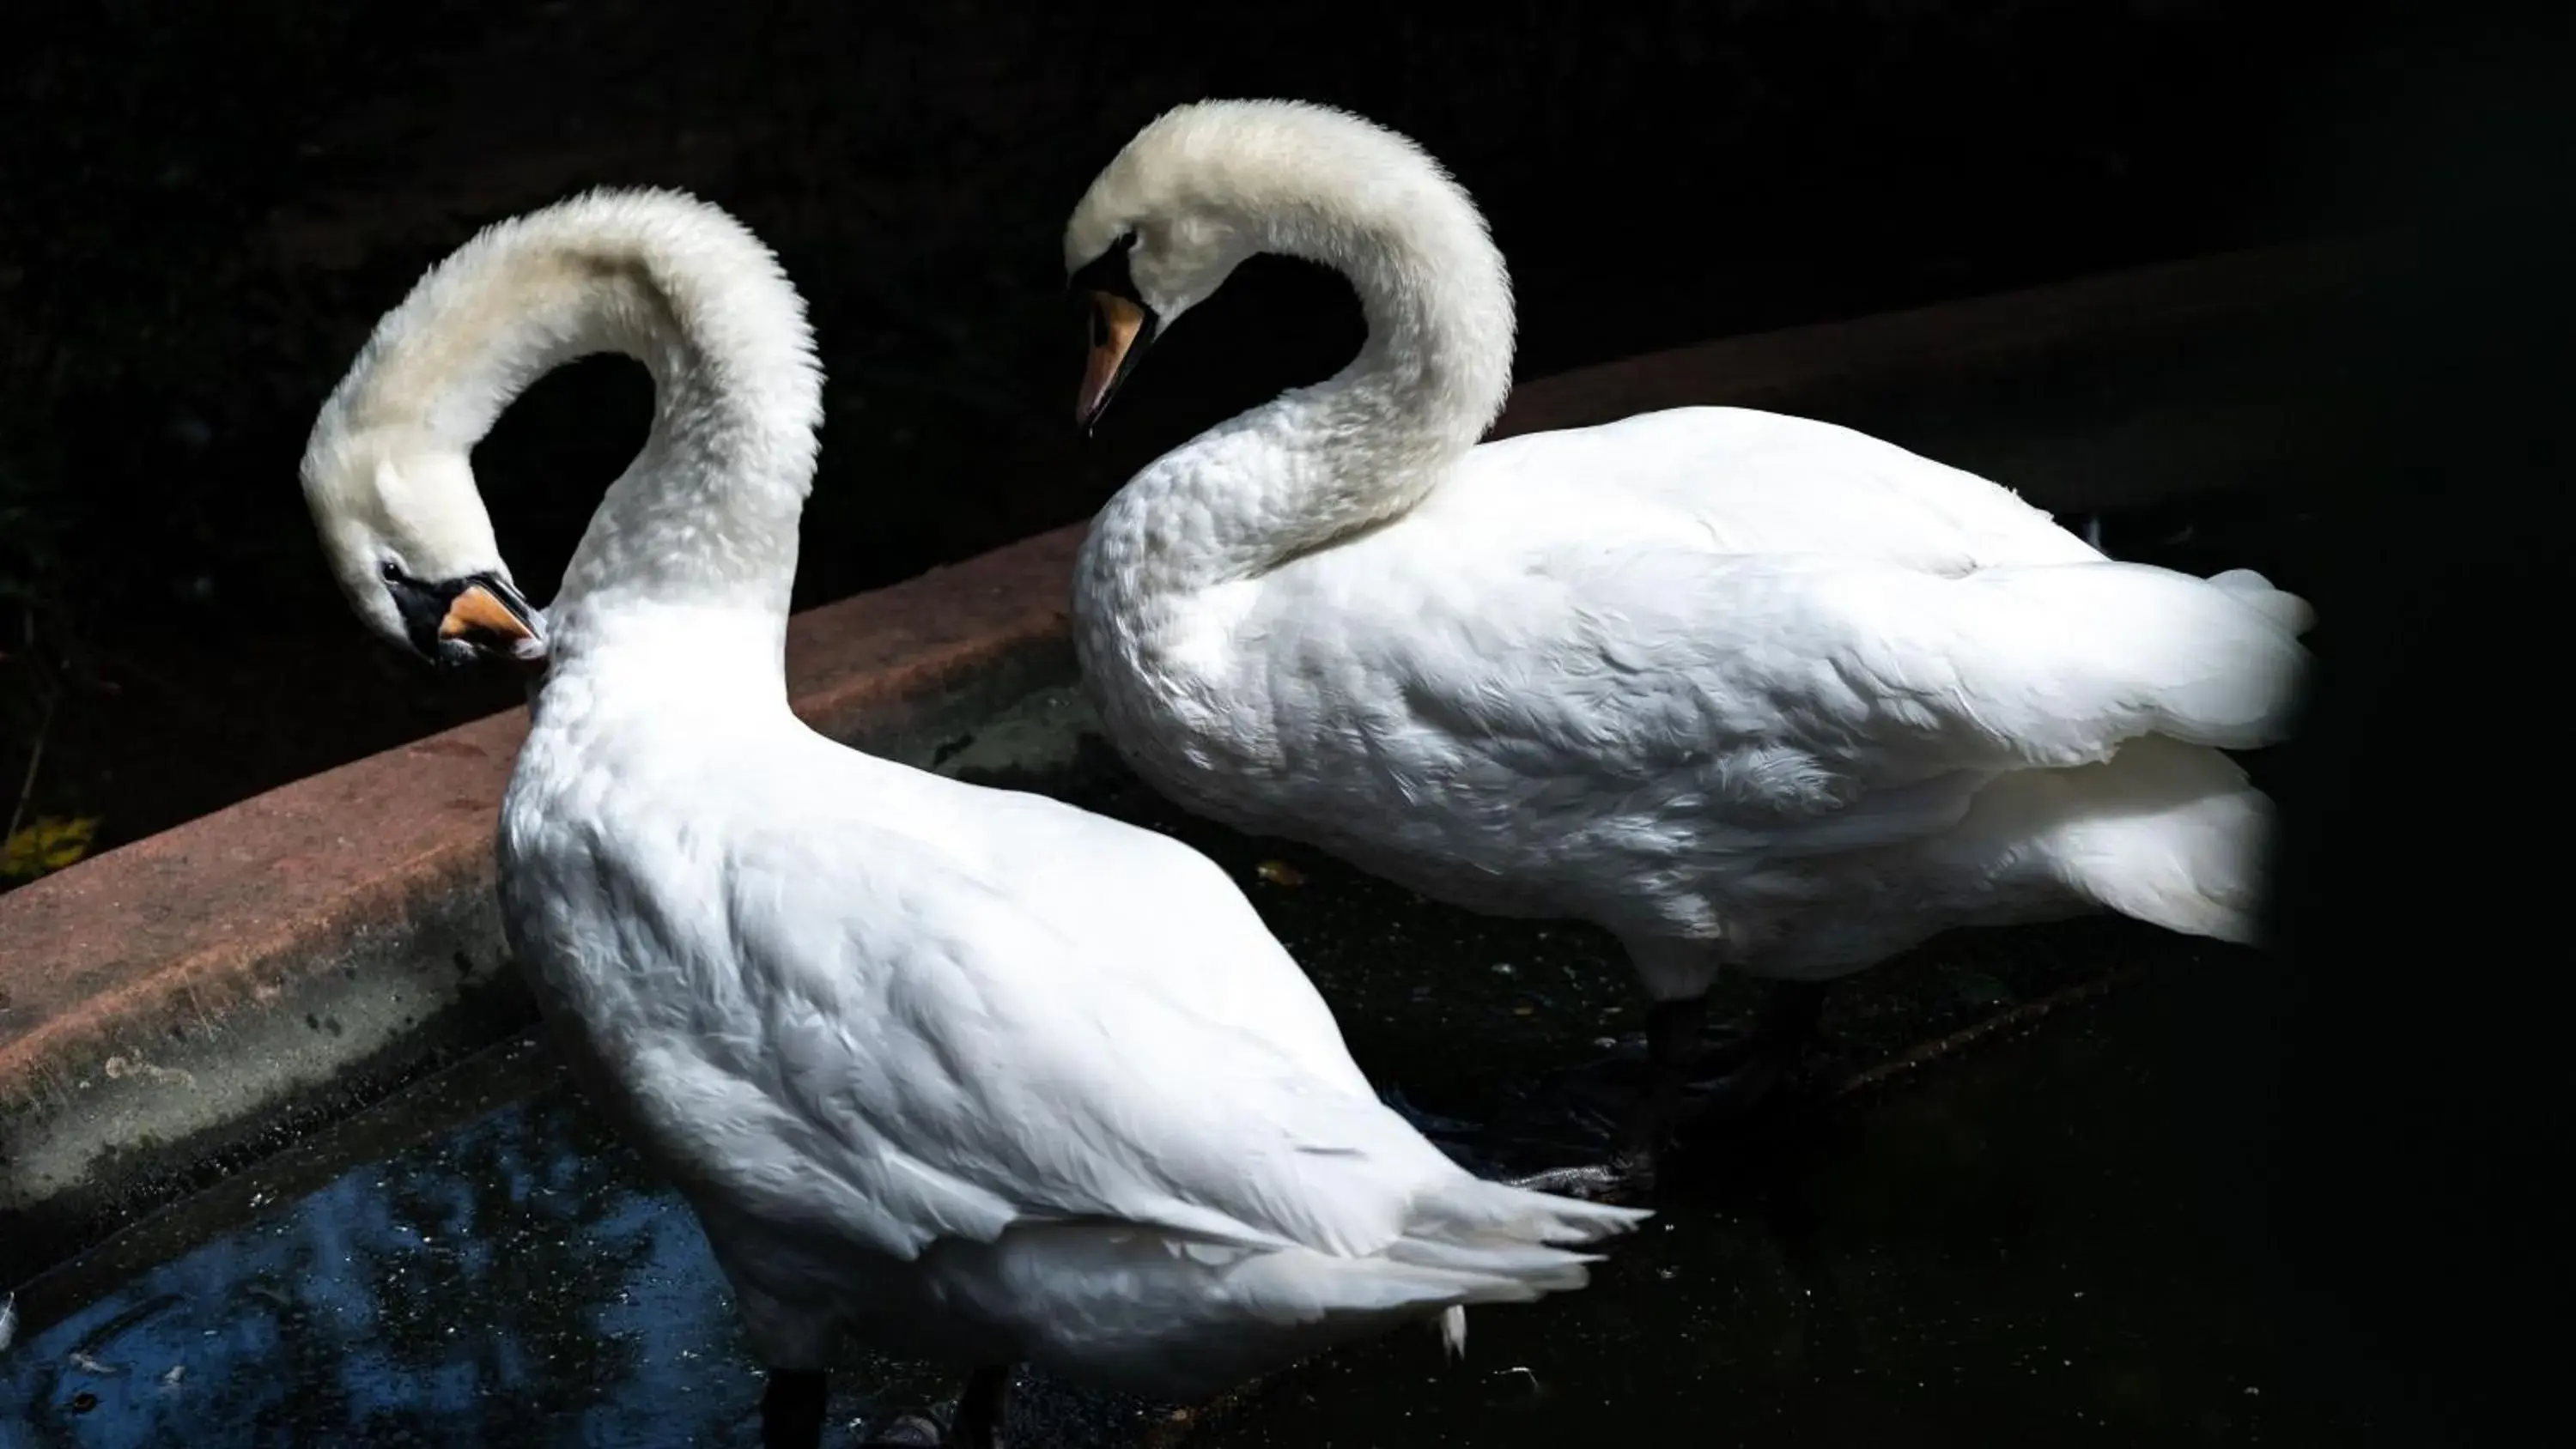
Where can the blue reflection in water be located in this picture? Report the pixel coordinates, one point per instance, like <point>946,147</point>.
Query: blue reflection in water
<point>2057,1239</point>
<point>508,1284</point>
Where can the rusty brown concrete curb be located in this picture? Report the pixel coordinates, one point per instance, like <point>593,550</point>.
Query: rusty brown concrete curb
<point>188,999</point>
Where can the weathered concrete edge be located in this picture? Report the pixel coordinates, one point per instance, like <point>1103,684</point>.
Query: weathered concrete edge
<point>156,1000</point>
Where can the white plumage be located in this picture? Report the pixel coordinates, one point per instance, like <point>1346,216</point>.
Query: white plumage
<point>1751,691</point>
<point>969,1072</point>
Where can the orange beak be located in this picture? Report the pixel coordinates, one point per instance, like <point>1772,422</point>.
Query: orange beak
<point>1120,331</point>
<point>477,610</point>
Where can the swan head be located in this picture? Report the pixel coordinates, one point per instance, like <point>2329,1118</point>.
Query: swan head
<point>1205,186</point>
<point>1137,278</point>
<point>406,534</point>
<point>1198,191</point>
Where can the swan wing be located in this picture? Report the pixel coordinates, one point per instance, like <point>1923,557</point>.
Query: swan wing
<point>1766,690</point>
<point>1742,481</point>
<point>1185,931</point>
<point>964,1065</point>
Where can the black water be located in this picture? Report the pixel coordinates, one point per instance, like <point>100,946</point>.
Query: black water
<point>2055,1239</point>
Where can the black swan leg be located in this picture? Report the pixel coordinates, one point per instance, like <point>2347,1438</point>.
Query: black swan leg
<point>1688,1081</point>
<point>978,1424</point>
<point>791,1409</point>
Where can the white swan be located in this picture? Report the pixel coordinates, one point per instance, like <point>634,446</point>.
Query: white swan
<point>1748,690</point>
<point>968,1072</point>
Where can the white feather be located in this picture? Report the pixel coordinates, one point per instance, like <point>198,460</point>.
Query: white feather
<point>970,1072</point>
<point>1746,689</point>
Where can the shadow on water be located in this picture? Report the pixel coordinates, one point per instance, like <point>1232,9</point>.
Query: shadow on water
<point>2050,1238</point>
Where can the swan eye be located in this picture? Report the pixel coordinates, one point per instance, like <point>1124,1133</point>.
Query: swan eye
<point>389,571</point>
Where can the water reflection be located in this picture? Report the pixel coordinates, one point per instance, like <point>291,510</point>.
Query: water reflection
<point>509,1284</point>
<point>2059,1236</point>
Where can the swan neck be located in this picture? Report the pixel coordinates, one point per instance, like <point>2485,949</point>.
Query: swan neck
<point>706,514</point>
<point>1322,463</point>
<point>1436,367</point>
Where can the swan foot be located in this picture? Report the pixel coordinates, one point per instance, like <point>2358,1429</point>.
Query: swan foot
<point>1673,1030</point>
<point>1684,1078</point>
<point>791,1409</point>
<point>1605,1182</point>
<point>1729,1078</point>
<point>1692,1081</point>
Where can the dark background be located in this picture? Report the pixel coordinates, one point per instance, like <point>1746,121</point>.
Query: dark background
<point>2418,1029</point>
<point>206,206</point>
